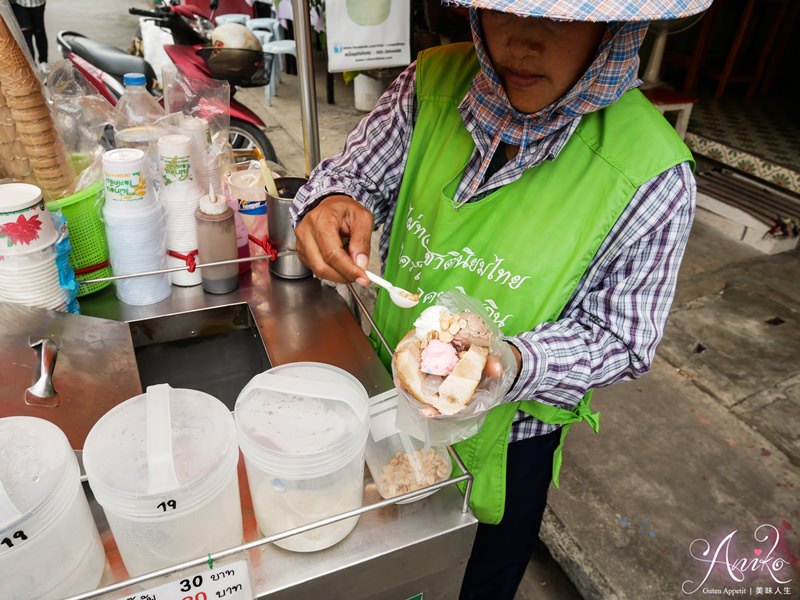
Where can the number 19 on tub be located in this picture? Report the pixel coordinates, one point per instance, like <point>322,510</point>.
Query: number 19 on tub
<point>224,582</point>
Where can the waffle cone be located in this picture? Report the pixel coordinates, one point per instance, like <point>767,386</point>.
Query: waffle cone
<point>34,125</point>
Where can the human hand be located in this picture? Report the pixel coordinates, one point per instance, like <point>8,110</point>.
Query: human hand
<point>495,365</point>
<point>321,239</point>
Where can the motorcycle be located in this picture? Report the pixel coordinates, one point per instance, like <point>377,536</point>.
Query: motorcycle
<point>104,66</point>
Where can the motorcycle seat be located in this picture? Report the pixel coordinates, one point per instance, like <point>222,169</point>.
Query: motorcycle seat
<point>109,58</point>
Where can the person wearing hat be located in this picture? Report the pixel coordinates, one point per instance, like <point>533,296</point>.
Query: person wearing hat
<point>527,156</point>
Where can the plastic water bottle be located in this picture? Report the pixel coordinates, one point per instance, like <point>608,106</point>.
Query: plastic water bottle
<point>136,113</point>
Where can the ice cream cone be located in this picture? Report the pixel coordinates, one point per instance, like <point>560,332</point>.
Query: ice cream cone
<point>34,125</point>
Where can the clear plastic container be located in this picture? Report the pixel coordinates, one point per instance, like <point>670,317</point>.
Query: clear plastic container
<point>399,463</point>
<point>135,114</point>
<point>302,429</point>
<point>164,471</point>
<point>49,544</point>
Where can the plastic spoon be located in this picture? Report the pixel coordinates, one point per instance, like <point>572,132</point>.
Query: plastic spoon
<point>398,295</point>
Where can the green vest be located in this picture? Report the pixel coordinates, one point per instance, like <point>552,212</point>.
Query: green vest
<point>522,250</point>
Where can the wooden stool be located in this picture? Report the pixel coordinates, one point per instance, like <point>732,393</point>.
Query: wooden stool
<point>666,100</point>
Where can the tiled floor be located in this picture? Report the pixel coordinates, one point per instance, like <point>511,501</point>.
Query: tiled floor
<point>768,128</point>
<point>760,137</point>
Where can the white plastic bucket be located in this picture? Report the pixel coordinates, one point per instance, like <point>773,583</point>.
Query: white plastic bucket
<point>164,471</point>
<point>367,91</point>
<point>302,429</point>
<point>49,545</point>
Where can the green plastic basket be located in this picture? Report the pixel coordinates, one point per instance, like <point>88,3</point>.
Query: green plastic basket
<point>87,236</point>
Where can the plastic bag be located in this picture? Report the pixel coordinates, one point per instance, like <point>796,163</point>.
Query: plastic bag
<point>83,119</point>
<point>205,100</point>
<point>414,416</point>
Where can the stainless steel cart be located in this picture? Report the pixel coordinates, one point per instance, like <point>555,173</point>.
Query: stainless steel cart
<point>415,550</point>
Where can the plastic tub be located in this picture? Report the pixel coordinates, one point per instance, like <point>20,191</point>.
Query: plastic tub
<point>399,463</point>
<point>163,467</point>
<point>49,545</point>
<point>302,429</point>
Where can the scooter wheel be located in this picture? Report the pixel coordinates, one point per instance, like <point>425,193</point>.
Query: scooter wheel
<point>246,138</point>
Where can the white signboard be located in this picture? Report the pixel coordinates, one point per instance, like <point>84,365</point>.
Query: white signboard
<point>228,582</point>
<point>367,34</point>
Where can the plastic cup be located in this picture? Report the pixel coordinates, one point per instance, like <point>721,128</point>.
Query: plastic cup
<point>163,467</point>
<point>137,244</point>
<point>176,161</point>
<point>25,225</point>
<point>399,463</point>
<point>53,549</point>
<point>302,429</point>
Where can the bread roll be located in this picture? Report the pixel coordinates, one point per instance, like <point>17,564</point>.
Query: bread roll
<point>457,389</point>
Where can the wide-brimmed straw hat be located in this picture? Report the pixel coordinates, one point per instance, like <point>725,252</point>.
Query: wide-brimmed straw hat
<point>588,10</point>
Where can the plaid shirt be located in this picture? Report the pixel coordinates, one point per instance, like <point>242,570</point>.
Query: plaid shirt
<point>611,326</point>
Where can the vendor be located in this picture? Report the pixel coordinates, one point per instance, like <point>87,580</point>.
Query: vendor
<point>526,169</point>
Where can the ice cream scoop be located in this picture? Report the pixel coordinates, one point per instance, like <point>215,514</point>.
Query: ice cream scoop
<point>438,358</point>
<point>398,295</point>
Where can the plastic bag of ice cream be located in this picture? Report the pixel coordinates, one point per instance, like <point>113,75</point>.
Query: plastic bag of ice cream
<point>450,370</point>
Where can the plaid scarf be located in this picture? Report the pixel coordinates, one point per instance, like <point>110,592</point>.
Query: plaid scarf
<point>612,73</point>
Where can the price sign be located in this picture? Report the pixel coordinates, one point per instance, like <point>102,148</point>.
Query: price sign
<point>229,582</point>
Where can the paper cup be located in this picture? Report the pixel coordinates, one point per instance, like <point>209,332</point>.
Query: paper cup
<point>25,224</point>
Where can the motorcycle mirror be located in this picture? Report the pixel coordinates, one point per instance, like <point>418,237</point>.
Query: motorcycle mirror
<point>214,5</point>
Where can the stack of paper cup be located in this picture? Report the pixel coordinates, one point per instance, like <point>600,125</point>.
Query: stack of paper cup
<point>28,271</point>
<point>134,228</point>
<point>180,196</point>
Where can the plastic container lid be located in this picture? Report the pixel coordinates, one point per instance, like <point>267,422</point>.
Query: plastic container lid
<point>302,420</point>
<point>38,473</point>
<point>189,461</point>
<point>18,196</point>
<point>134,79</point>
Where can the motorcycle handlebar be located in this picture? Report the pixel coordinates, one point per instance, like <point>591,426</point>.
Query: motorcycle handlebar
<point>145,13</point>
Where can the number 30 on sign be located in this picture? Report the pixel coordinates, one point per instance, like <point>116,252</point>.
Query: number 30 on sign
<point>224,582</point>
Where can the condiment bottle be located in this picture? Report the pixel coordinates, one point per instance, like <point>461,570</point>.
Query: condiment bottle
<point>216,241</point>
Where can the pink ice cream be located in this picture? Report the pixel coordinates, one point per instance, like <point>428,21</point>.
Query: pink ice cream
<point>438,358</point>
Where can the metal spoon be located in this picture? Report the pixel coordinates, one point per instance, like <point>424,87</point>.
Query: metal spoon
<point>398,295</point>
